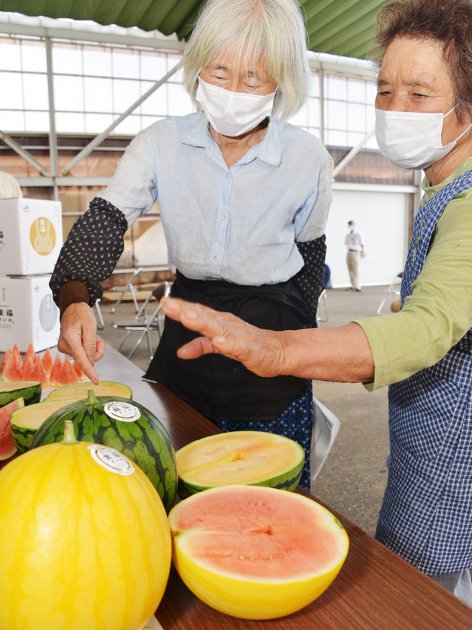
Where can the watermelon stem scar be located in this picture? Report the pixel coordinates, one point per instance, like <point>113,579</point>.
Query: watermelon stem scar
<point>69,433</point>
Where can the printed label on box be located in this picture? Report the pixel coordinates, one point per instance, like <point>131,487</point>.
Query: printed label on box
<point>42,236</point>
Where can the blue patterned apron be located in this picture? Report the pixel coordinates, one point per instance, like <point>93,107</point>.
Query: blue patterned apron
<point>426,515</point>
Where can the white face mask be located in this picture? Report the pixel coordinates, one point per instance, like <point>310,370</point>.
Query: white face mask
<point>233,113</point>
<point>412,139</point>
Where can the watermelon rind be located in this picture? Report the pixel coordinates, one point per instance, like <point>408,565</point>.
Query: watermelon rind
<point>144,440</point>
<point>78,391</point>
<point>287,479</point>
<point>7,446</point>
<point>30,391</point>
<point>25,422</point>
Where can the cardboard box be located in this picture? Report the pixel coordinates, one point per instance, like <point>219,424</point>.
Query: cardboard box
<point>30,236</point>
<point>27,313</point>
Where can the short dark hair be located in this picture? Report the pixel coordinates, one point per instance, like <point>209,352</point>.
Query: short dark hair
<point>446,21</point>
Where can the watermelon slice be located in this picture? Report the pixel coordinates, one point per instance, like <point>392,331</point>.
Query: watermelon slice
<point>7,445</point>
<point>13,369</point>
<point>29,352</point>
<point>79,391</point>
<point>25,422</point>
<point>55,372</point>
<point>240,457</point>
<point>255,552</point>
<point>47,361</point>
<point>30,391</point>
<point>67,375</point>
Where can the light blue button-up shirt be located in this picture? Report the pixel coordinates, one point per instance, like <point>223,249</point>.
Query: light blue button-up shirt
<point>238,224</point>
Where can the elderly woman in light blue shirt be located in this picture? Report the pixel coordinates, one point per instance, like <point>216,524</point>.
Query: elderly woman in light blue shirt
<point>244,198</point>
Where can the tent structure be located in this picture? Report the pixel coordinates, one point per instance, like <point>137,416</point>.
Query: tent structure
<point>338,27</point>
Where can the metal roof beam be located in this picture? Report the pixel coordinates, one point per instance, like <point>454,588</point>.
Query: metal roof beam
<point>26,155</point>
<point>95,36</point>
<point>352,153</point>
<point>101,137</point>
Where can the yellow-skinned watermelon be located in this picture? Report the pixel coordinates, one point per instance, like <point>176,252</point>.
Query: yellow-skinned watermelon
<point>125,425</point>
<point>84,540</point>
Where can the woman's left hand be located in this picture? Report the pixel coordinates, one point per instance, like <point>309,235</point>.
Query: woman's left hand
<point>260,351</point>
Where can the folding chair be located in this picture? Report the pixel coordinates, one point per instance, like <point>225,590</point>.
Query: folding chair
<point>144,323</point>
<point>392,292</point>
<point>325,429</point>
<point>322,305</point>
<point>127,288</point>
<point>98,316</point>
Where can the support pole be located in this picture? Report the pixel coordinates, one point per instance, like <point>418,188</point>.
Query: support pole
<point>52,117</point>
<point>101,137</point>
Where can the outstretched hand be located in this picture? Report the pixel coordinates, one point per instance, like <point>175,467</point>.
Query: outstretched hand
<point>78,338</point>
<point>260,351</point>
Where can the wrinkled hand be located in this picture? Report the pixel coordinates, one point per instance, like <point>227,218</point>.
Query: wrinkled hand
<point>260,351</point>
<point>78,338</point>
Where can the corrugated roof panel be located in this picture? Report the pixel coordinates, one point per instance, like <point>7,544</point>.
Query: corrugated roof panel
<point>342,27</point>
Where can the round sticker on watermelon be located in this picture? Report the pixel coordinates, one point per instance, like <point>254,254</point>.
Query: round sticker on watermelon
<point>125,412</point>
<point>112,460</point>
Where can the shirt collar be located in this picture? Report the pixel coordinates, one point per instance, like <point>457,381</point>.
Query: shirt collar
<point>269,150</point>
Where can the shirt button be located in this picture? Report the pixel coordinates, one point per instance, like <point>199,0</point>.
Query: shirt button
<point>215,258</point>
<point>227,175</point>
<point>223,217</point>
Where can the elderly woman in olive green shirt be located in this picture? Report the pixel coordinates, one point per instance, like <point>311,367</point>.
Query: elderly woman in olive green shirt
<point>424,352</point>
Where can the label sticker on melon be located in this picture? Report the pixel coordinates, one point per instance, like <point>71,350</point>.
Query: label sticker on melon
<point>125,412</point>
<point>112,460</point>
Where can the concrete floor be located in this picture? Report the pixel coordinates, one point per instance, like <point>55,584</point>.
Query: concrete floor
<point>354,476</point>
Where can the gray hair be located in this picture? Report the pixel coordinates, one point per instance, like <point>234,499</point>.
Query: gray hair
<point>272,30</point>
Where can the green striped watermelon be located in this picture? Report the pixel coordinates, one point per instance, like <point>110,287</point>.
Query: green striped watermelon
<point>126,426</point>
<point>240,457</point>
<point>30,391</point>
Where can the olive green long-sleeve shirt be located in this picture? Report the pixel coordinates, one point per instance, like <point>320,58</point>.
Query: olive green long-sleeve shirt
<point>439,311</point>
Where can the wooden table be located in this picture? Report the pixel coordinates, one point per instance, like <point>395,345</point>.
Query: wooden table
<point>374,590</point>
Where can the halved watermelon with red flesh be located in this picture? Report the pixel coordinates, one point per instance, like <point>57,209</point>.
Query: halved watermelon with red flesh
<point>255,552</point>
<point>55,372</point>
<point>47,361</point>
<point>30,391</point>
<point>7,445</point>
<point>13,370</point>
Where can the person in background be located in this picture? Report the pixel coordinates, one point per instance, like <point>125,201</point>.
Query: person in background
<point>355,251</point>
<point>9,187</point>
<point>244,200</point>
<point>424,352</point>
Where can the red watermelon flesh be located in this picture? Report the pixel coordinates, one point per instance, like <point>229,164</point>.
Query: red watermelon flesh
<point>13,368</point>
<point>55,372</point>
<point>67,375</point>
<point>78,369</point>
<point>29,351</point>
<point>17,353</point>
<point>7,446</point>
<point>47,361</point>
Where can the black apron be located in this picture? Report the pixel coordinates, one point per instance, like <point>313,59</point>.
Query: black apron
<point>221,388</point>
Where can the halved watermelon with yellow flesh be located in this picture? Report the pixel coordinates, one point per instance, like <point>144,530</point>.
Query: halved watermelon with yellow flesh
<point>30,391</point>
<point>79,391</point>
<point>255,552</point>
<point>25,422</point>
<point>240,457</point>
<point>7,445</point>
